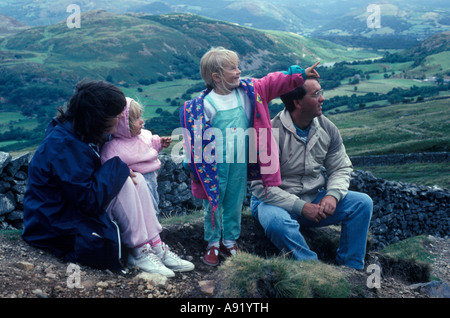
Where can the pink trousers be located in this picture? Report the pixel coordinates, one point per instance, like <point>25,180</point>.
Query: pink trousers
<point>134,212</point>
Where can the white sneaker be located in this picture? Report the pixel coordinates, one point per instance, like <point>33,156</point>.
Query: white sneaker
<point>172,260</point>
<point>144,258</point>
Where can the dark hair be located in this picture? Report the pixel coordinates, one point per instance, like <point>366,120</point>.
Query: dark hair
<point>296,94</point>
<point>91,109</point>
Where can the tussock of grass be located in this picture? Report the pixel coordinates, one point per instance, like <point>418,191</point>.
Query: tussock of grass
<point>247,275</point>
<point>11,235</point>
<point>410,249</point>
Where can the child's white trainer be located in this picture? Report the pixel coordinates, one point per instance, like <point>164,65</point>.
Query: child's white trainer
<point>172,260</point>
<point>145,258</point>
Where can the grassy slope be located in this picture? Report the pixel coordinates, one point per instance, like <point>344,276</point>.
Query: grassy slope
<point>401,128</point>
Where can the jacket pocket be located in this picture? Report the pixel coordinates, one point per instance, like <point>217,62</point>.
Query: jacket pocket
<point>97,251</point>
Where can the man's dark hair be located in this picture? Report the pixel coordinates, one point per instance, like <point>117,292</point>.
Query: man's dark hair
<point>296,94</point>
<point>91,109</point>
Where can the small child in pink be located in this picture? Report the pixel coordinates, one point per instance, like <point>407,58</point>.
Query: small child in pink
<point>139,149</point>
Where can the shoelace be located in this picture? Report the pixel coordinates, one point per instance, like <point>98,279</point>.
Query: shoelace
<point>167,251</point>
<point>151,254</point>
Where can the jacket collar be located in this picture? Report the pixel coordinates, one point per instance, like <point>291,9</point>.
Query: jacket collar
<point>287,122</point>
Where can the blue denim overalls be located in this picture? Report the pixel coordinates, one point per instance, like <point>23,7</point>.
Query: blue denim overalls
<point>232,172</point>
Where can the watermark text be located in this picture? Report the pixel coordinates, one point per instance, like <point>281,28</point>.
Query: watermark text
<point>73,20</point>
<point>374,20</point>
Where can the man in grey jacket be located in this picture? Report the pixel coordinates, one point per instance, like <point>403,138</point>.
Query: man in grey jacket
<point>308,143</point>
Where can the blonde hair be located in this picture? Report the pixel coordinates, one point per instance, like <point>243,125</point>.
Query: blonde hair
<point>214,61</point>
<point>134,113</point>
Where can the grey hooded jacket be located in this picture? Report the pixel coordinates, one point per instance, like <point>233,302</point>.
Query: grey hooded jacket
<point>302,165</point>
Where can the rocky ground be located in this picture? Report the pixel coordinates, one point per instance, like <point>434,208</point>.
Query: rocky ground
<point>27,272</point>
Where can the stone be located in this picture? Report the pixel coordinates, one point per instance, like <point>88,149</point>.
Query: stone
<point>207,287</point>
<point>434,289</point>
<point>6,204</point>
<point>39,293</point>
<point>24,265</point>
<point>16,163</point>
<point>102,284</point>
<point>5,158</point>
<point>152,278</point>
<point>14,216</point>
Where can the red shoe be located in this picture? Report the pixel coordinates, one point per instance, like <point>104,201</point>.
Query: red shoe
<point>210,257</point>
<point>227,252</point>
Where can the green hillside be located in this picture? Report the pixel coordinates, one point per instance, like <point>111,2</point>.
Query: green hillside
<point>140,50</point>
<point>401,128</point>
<point>155,59</point>
<point>39,66</point>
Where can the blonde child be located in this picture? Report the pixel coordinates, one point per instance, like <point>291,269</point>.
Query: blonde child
<point>229,105</point>
<point>139,149</point>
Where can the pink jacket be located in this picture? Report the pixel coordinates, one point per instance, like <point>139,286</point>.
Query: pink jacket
<point>140,153</point>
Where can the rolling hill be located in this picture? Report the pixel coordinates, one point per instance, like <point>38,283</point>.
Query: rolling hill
<point>135,49</point>
<point>9,25</point>
<point>409,18</point>
<point>397,19</point>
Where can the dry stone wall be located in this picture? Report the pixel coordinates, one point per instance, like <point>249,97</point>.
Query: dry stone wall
<point>400,210</point>
<point>396,159</point>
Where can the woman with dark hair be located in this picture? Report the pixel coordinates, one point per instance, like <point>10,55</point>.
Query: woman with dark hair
<point>84,211</point>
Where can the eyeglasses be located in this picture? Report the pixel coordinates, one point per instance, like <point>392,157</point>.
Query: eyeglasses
<point>317,94</point>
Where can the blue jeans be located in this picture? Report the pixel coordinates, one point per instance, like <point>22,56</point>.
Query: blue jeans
<point>283,228</point>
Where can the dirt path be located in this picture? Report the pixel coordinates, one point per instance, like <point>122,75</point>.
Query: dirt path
<point>27,272</point>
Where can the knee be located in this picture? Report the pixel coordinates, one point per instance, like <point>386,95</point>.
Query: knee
<point>367,202</point>
<point>366,205</point>
<point>279,224</point>
<point>128,184</point>
<point>133,185</point>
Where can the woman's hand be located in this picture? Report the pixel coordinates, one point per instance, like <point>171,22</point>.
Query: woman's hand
<point>132,176</point>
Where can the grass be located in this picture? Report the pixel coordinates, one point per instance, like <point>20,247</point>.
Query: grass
<point>402,128</point>
<point>434,64</point>
<point>156,95</point>
<point>193,216</point>
<point>11,235</point>
<point>16,119</point>
<point>410,249</point>
<point>251,276</point>
<point>247,275</point>
<point>429,174</point>
<point>379,85</point>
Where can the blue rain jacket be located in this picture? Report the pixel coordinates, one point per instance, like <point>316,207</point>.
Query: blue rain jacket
<point>66,198</point>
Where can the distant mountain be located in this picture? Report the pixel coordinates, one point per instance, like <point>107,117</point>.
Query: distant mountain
<point>433,53</point>
<point>345,21</point>
<point>9,25</point>
<point>399,26</point>
<point>437,43</point>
